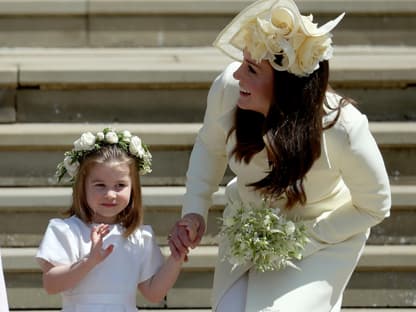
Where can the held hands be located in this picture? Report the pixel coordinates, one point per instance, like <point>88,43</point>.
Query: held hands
<point>185,234</point>
<point>97,253</point>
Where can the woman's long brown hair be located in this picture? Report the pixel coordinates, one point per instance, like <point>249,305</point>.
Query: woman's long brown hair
<point>293,129</point>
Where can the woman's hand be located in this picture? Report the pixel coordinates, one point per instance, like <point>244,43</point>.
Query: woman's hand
<point>185,234</point>
<point>97,253</point>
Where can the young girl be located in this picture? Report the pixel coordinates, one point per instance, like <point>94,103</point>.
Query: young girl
<point>98,255</point>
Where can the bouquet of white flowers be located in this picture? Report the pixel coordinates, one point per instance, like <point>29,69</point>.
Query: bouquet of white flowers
<point>262,236</point>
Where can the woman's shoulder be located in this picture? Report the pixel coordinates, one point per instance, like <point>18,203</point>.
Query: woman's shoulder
<point>349,117</point>
<point>225,79</point>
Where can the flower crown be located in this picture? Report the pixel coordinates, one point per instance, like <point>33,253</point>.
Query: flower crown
<point>270,28</point>
<point>89,143</point>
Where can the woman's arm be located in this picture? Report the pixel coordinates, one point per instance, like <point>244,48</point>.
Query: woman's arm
<point>207,163</point>
<point>58,278</point>
<point>363,171</point>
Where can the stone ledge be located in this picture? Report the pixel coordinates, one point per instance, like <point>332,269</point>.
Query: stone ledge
<point>128,7</point>
<point>366,65</point>
<point>59,135</point>
<point>170,197</point>
<point>375,258</point>
<point>207,310</point>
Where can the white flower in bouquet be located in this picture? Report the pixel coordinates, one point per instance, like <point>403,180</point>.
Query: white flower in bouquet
<point>262,236</point>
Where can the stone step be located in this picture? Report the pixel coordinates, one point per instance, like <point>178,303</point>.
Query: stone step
<point>32,208</point>
<point>82,85</point>
<point>385,277</point>
<point>208,310</point>
<point>98,23</point>
<point>44,144</point>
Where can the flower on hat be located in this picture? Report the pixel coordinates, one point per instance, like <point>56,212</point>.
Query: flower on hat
<point>270,28</point>
<point>88,143</point>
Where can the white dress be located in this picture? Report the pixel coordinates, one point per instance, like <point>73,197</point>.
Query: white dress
<point>4,307</point>
<point>111,285</point>
<point>347,192</point>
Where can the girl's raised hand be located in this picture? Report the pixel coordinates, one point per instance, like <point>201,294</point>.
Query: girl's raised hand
<point>97,253</point>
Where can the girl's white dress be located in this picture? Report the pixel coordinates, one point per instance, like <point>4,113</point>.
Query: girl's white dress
<point>111,285</point>
<point>347,192</point>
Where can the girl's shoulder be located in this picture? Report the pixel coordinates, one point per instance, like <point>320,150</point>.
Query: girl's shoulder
<point>144,233</point>
<point>71,224</point>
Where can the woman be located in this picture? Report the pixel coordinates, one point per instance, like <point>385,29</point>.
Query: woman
<point>290,139</point>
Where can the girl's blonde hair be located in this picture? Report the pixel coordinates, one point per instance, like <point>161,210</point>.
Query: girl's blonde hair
<point>132,216</point>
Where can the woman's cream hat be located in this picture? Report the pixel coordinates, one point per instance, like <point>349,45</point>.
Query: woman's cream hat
<point>268,28</point>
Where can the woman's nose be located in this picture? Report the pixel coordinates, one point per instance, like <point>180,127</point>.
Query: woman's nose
<point>236,74</point>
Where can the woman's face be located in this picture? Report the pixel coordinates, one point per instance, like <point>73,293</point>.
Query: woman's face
<point>256,85</point>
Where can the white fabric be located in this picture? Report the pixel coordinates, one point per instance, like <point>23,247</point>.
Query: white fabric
<point>234,299</point>
<point>4,307</point>
<point>347,192</point>
<point>115,280</point>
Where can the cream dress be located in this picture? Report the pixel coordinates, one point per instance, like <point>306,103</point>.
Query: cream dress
<point>112,285</point>
<point>347,192</point>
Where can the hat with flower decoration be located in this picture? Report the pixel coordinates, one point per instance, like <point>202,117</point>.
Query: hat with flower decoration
<point>271,28</point>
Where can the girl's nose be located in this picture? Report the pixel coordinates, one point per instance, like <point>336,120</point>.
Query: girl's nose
<point>111,194</point>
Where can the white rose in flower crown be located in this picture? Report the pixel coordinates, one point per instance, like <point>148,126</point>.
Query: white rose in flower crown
<point>71,168</point>
<point>136,147</point>
<point>85,143</point>
<point>111,137</point>
<point>126,136</point>
<point>100,136</point>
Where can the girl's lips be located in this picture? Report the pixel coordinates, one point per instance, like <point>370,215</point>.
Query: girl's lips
<point>108,205</point>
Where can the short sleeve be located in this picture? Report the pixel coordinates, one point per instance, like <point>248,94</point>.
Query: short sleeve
<point>152,259</point>
<point>58,245</point>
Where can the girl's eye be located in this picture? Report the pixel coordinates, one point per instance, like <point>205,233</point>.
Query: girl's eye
<point>99,185</point>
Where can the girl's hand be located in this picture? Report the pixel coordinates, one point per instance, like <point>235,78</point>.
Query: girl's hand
<point>185,234</point>
<point>97,253</point>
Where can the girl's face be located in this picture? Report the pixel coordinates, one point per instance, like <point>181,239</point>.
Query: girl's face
<point>256,85</point>
<point>108,190</point>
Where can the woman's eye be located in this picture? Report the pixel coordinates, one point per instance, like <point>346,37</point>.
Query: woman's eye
<point>251,69</point>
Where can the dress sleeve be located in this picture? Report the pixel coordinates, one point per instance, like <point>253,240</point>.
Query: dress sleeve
<point>208,159</point>
<point>363,171</point>
<point>152,256</point>
<point>58,245</point>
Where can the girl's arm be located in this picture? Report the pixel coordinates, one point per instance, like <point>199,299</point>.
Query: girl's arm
<point>58,278</point>
<point>155,288</point>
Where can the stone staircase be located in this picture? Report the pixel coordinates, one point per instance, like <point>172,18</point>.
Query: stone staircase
<point>67,66</point>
